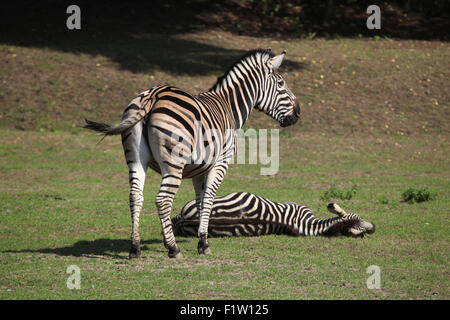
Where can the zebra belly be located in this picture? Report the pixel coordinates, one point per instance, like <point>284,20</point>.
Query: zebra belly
<point>189,171</point>
<point>164,148</point>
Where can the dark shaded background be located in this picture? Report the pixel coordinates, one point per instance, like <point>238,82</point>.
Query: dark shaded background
<point>117,29</point>
<point>43,22</point>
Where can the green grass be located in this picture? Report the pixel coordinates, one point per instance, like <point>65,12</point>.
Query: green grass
<point>377,118</point>
<point>64,201</point>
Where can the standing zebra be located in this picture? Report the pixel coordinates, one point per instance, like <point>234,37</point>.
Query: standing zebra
<point>246,214</point>
<point>184,136</point>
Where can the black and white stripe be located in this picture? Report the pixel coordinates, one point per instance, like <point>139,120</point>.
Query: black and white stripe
<point>246,214</point>
<point>193,136</point>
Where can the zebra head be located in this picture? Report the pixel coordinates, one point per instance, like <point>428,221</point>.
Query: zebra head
<point>351,224</point>
<point>277,99</point>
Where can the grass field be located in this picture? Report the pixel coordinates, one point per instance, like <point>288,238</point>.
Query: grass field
<point>375,115</point>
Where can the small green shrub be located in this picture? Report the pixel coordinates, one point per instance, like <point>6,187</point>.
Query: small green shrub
<point>335,193</point>
<point>412,195</point>
<point>383,200</point>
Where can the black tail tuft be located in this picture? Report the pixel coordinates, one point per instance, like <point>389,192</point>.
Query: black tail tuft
<point>105,128</point>
<point>97,126</point>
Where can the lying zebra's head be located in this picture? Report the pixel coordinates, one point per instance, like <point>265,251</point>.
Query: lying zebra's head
<point>277,99</point>
<point>351,224</point>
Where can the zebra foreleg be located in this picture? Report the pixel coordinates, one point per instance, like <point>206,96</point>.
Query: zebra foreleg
<point>199,187</point>
<point>212,183</point>
<point>334,208</point>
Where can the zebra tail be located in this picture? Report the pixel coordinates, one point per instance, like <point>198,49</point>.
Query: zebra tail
<point>105,128</point>
<point>135,112</point>
<point>109,129</point>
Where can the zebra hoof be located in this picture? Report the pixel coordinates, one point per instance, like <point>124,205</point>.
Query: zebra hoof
<point>203,247</point>
<point>206,250</point>
<point>179,255</point>
<point>175,253</point>
<point>135,253</point>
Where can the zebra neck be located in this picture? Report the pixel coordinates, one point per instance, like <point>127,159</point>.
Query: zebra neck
<point>307,224</point>
<point>238,103</point>
<point>324,226</point>
<point>238,95</point>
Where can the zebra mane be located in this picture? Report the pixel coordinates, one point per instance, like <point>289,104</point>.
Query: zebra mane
<point>238,61</point>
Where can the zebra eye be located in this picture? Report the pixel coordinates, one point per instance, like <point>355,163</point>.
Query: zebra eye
<point>281,82</point>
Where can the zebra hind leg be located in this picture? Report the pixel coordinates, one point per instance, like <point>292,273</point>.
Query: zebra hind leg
<point>137,156</point>
<point>164,200</point>
<point>136,201</point>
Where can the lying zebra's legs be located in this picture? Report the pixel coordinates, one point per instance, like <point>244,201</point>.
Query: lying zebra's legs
<point>334,208</point>
<point>170,183</point>
<point>212,183</point>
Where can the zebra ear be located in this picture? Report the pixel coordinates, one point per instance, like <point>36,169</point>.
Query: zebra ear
<point>276,61</point>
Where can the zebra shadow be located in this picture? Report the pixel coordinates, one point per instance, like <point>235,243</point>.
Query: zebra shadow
<point>100,248</point>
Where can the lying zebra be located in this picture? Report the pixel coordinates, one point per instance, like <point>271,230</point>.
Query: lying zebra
<point>246,214</point>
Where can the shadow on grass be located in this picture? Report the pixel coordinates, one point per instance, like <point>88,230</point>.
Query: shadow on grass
<point>100,247</point>
<point>145,53</point>
<point>139,39</point>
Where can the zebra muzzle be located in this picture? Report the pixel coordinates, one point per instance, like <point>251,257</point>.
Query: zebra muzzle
<point>292,118</point>
<point>289,120</point>
<point>296,108</point>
